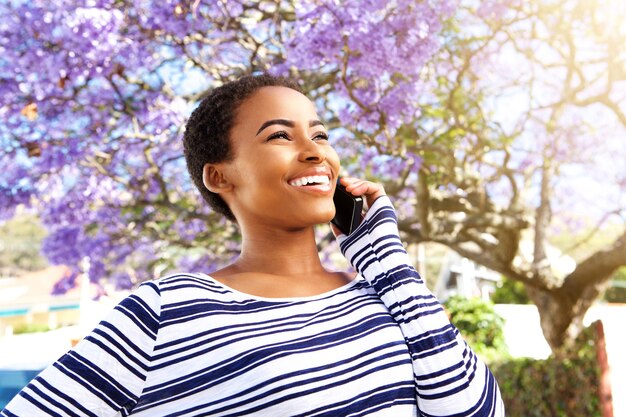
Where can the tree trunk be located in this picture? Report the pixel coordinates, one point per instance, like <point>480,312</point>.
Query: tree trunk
<point>562,312</point>
<point>556,315</point>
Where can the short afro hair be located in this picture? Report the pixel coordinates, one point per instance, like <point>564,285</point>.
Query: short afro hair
<point>207,133</point>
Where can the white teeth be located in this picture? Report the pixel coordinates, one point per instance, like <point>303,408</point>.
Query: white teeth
<point>313,179</point>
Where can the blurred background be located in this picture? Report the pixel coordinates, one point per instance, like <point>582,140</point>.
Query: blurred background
<point>498,127</point>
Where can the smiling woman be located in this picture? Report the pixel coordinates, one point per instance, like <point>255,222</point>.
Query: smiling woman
<point>277,138</point>
<point>274,333</point>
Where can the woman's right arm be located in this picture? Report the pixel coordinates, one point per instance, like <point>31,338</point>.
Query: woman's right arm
<point>449,378</point>
<point>105,373</point>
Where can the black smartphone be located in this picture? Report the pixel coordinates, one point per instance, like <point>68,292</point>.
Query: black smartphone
<point>348,210</point>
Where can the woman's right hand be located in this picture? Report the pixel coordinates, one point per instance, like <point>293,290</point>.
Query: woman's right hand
<point>360,188</point>
<point>367,189</point>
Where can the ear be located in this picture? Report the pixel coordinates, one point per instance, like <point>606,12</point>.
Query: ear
<point>214,179</point>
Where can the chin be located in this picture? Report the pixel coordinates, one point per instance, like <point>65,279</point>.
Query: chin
<point>323,215</point>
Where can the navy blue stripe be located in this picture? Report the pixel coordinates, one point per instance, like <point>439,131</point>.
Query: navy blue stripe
<point>377,258</point>
<point>137,322</point>
<point>261,324</point>
<point>113,396</point>
<point>361,364</point>
<point>454,390</point>
<point>361,299</point>
<point>123,338</point>
<point>416,353</point>
<point>392,245</point>
<point>368,402</point>
<point>267,328</point>
<point>81,381</point>
<point>403,273</point>
<point>39,405</point>
<point>231,368</point>
<point>454,378</point>
<point>405,315</point>
<point>173,311</point>
<point>363,265</point>
<point>171,316</point>
<point>387,283</point>
<point>168,282</point>
<point>374,249</point>
<point>67,411</point>
<point>485,407</point>
<point>393,403</point>
<point>337,335</point>
<point>399,388</point>
<point>440,372</point>
<point>93,372</point>
<point>359,231</point>
<point>149,312</point>
<point>325,387</point>
<point>145,320</point>
<point>194,285</point>
<point>64,396</point>
<point>434,337</point>
<point>153,286</point>
<point>122,360</point>
<point>436,308</point>
<point>381,216</point>
<point>427,347</point>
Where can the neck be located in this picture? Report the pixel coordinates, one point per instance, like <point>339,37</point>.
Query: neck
<point>288,253</point>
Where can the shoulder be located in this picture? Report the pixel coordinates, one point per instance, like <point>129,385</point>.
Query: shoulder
<point>182,286</point>
<point>177,280</point>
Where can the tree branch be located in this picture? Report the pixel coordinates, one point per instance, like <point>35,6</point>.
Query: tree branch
<point>597,268</point>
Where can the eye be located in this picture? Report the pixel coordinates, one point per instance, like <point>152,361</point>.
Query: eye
<point>279,135</point>
<point>320,136</point>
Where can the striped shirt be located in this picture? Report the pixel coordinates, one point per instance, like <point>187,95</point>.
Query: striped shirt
<point>186,345</point>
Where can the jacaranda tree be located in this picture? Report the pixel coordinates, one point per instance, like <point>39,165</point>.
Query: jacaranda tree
<point>477,116</point>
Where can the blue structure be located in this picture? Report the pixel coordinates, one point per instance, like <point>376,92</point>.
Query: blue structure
<point>12,381</point>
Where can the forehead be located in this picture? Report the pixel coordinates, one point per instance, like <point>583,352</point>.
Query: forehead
<point>274,103</point>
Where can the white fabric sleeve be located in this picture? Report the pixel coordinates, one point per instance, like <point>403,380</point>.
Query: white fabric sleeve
<point>105,373</point>
<point>449,378</point>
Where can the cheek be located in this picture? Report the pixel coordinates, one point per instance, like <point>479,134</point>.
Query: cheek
<point>261,171</point>
<point>333,157</point>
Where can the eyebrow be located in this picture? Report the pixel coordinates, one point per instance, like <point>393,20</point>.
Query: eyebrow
<point>286,122</point>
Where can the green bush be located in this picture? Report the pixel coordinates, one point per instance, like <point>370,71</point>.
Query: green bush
<point>560,386</point>
<point>30,328</point>
<point>479,324</point>
<point>564,385</point>
<point>509,291</point>
<point>617,292</point>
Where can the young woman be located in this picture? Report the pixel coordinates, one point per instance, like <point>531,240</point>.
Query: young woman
<point>273,334</point>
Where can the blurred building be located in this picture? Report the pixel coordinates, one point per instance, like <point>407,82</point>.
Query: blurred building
<point>27,300</point>
<point>461,276</point>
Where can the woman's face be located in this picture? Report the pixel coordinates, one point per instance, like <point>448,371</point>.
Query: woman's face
<point>284,169</point>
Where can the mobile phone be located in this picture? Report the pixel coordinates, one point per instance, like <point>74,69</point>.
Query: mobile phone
<point>348,210</point>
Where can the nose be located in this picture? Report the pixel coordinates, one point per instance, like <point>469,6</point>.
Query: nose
<point>311,152</point>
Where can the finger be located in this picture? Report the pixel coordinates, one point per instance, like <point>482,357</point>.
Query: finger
<point>352,183</point>
<point>358,187</point>
<point>365,188</point>
<point>346,181</point>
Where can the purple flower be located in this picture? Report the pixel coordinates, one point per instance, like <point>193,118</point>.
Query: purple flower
<point>379,50</point>
<point>65,283</point>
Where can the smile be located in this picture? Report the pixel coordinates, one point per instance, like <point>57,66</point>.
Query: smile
<point>310,180</point>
